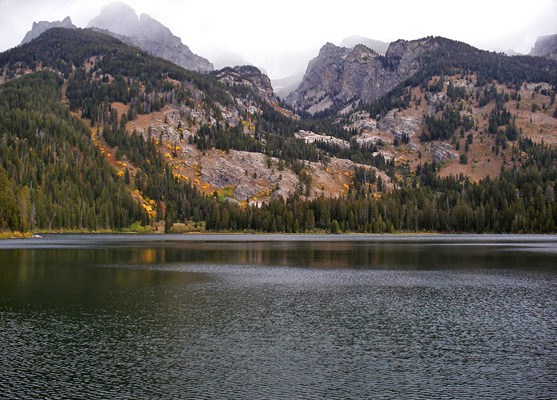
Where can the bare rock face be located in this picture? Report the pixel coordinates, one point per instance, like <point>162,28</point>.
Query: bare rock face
<point>443,153</point>
<point>398,125</point>
<point>42,26</point>
<point>248,174</point>
<point>322,81</point>
<point>339,76</point>
<point>362,121</point>
<point>121,21</point>
<point>311,137</point>
<point>250,77</point>
<point>546,46</point>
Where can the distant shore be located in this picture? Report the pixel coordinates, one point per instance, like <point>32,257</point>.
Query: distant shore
<point>39,234</point>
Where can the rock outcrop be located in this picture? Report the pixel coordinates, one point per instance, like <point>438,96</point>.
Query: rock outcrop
<point>400,126</point>
<point>148,34</point>
<point>546,46</point>
<point>42,26</point>
<point>339,77</point>
<point>250,77</point>
<point>443,153</point>
<point>312,137</point>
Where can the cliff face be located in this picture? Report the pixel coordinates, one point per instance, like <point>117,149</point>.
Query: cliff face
<point>340,77</point>
<point>250,77</point>
<point>148,34</point>
<point>322,81</point>
<point>546,46</point>
<point>158,40</point>
<point>42,26</point>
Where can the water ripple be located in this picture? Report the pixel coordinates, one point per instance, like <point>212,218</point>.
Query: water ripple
<point>192,330</point>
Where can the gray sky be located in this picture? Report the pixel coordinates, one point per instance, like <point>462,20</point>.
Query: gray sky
<point>281,36</point>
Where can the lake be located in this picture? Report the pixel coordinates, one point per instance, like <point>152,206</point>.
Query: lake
<point>278,316</point>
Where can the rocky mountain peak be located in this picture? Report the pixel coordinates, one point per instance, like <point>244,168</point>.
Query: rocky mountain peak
<point>248,76</point>
<point>361,50</point>
<point>42,26</point>
<point>546,46</point>
<point>117,18</point>
<point>151,29</point>
<point>340,77</point>
<point>322,80</point>
<point>409,48</point>
<point>148,34</point>
<point>332,50</point>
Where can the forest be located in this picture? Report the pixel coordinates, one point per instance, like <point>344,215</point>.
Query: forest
<point>51,175</point>
<point>521,200</point>
<point>54,178</point>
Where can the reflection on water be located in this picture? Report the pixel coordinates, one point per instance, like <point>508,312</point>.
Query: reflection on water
<point>120,317</point>
<point>415,252</point>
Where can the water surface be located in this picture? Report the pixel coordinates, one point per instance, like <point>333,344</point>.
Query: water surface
<point>285,316</point>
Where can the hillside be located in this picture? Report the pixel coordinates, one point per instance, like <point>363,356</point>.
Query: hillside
<point>144,32</point>
<point>340,79</point>
<point>219,152</point>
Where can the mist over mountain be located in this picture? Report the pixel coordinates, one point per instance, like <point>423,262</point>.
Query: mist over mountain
<point>228,59</point>
<point>118,18</point>
<point>109,136</point>
<point>148,34</point>
<point>121,21</point>
<point>511,53</point>
<point>546,46</point>
<point>284,86</point>
<point>376,45</point>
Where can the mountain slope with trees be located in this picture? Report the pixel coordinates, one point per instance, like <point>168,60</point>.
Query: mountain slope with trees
<point>98,135</point>
<point>341,78</point>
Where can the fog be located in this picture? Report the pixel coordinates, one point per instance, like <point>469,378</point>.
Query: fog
<point>280,37</point>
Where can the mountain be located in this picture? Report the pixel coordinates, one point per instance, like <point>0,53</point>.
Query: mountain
<point>546,46</point>
<point>117,18</point>
<point>341,79</point>
<point>250,77</point>
<point>339,75</point>
<point>284,86</point>
<point>40,27</point>
<point>180,137</point>
<point>228,59</point>
<point>511,53</point>
<point>149,35</point>
<point>98,135</point>
<point>376,45</point>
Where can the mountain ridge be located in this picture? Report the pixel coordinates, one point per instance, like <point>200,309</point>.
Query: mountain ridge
<point>121,21</point>
<point>148,34</point>
<point>338,75</point>
<point>545,46</point>
<point>342,79</point>
<point>217,152</point>
<point>40,27</point>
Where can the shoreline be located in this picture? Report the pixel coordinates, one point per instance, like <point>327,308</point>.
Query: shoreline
<point>40,234</point>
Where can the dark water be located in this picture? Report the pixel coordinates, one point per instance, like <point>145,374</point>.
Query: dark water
<point>279,317</point>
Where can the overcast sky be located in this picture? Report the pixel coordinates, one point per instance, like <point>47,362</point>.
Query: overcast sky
<point>280,36</point>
